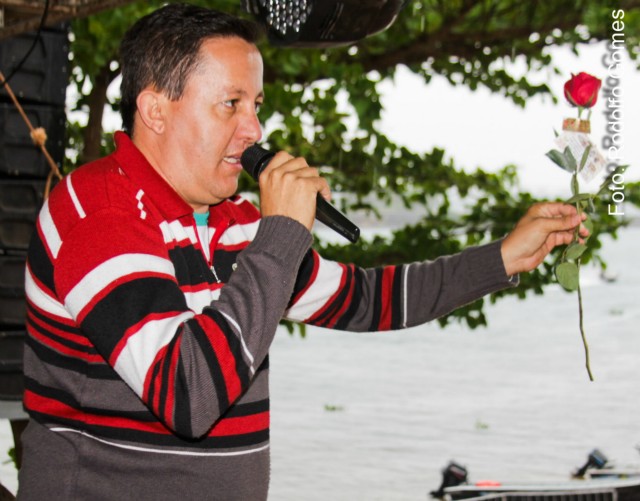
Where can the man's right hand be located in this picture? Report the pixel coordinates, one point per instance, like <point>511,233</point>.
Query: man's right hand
<point>288,187</point>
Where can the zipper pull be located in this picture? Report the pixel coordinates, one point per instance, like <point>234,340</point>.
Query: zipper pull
<point>215,275</point>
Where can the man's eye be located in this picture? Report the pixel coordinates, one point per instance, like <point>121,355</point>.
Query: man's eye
<point>258,106</point>
<point>230,103</point>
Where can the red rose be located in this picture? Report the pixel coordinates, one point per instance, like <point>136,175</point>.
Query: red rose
<point>582,90</point>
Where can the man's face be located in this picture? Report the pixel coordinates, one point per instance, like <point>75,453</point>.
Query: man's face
<point>214,121</point>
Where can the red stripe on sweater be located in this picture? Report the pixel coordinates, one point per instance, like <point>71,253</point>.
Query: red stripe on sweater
<point>321,311</point>
<point>155,383</point>
<point>347,300</point>
<point>65,350</point>
<point>237,247</point>
<point>170,401</point>
<point>386,298</point>
<point>52,407</point>
<point>74,338</point>
<point>241,425</point>
<point>226,358</point>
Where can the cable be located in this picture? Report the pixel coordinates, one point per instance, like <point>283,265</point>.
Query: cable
<point>33,46</point>
<point>38,136</point>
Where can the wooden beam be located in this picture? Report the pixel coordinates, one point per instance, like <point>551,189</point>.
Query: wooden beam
<point>19,16</point>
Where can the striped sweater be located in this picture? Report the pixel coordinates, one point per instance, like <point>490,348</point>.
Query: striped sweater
<point>146,365</point>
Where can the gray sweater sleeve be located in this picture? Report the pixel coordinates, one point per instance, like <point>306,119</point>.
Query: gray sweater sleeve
<point>257,294</point>
<point>434,288</point>
<point>395,297</point>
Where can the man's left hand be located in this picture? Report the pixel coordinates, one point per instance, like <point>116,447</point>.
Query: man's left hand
<point>544,226</point>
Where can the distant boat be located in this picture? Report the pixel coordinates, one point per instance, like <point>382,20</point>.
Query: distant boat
<point>599,481</point>
<point>588,490</point>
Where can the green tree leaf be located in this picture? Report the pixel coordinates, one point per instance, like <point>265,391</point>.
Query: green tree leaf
<point>585,156</point>
<point>558,158</point>
<point>568,275</point>
<point>579,198</point>
<point>570,160</point>
<point>575,250</point>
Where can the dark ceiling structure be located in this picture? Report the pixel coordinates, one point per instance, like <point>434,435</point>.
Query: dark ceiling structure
<point>19,16</point>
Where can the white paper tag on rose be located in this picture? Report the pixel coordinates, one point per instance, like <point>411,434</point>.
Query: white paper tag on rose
<point>578,142</point>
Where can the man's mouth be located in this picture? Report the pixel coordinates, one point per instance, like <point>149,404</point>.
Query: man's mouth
<point>232,160</point>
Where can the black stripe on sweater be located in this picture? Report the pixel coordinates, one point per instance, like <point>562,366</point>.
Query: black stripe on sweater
<point>190,266</point>
<point>334,307</point>
<point>304,274</point>
<point>377,300</point>
<point>248,409</point>
<point>212,362</point>
<point>354,300</point>
<point>223,260</point>
<point>66,362</point>
<point>55,338</point>
<point>168,379</point>
<point>153,387</point>
<point>182,408</point>
<point>133,301</point>
<point>235,345</point>
<point>396,299</point>
<point>50,321</point>
<point>39,262</point>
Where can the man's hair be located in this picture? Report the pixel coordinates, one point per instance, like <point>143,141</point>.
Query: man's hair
<point>162,50</point>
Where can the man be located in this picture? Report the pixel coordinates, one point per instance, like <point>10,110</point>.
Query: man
<point>154,292</point>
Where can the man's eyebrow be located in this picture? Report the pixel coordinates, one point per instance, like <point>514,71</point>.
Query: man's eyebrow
<point>241,92</point>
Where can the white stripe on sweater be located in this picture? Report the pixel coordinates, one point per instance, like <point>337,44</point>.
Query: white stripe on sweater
<point>159,451</point>
<point>41,299</point>
<point>49,230</point>
<point>405,294</point>
<point>74,198</point>
<point>239,233</point>
<point>325,285</point>
<point>143,346</point>
<point>108,272</point>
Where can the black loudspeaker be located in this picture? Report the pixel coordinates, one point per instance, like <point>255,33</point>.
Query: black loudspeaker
<point>11,350</point>
<point>44,75</point>
<point>13,306</point>
<point>20,203</point>
<point>18,154</point>
<point>39,82</point>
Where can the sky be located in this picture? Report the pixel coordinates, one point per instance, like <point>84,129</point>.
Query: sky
<point>481,129</point>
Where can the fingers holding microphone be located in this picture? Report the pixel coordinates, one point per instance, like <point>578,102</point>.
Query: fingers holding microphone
<point>256,159</point>
<point>288,187</point>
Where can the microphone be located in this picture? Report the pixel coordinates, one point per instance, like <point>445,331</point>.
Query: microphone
<point>256,158</point>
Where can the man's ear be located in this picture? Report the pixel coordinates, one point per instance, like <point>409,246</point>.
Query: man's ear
<point>150,104</point>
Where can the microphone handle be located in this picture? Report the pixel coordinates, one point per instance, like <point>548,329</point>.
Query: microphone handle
<point>334,219</point>
<point>256,158</point>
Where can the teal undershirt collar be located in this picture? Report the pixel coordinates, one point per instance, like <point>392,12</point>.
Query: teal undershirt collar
<point>202,219</point>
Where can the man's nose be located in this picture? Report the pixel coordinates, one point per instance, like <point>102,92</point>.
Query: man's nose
<point>251,128</point>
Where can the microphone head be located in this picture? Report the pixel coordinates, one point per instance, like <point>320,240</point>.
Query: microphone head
<point>254,159</point>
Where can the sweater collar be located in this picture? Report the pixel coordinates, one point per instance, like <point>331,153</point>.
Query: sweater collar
<point>140,171</point>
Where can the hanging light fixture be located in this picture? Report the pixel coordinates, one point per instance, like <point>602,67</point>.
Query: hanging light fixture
<point>323,23</point>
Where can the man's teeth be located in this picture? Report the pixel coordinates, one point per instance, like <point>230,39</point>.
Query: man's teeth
<point>232,160</point>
